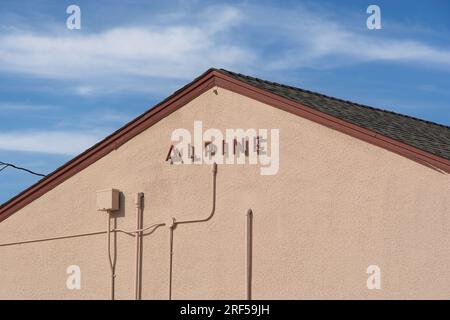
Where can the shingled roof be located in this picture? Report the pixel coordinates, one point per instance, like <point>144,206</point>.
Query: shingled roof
<point>428,136</point>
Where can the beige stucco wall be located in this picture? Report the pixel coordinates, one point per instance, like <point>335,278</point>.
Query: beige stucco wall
<point>336,206</point>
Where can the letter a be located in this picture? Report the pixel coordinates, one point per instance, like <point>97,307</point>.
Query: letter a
<point>374,20</point>
<point>74,20</point>
<point>374,280</point>
<point>73,282</point>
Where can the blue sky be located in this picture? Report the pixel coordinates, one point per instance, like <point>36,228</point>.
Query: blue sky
<point>63,90</point>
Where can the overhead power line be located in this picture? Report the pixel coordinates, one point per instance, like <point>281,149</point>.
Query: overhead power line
<point>4,165</point>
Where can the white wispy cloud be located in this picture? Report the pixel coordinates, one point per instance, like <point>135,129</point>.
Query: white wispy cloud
<point>53,142</point>
<point>175,51</point>
<point>150,56</point>
<point>312,38</point>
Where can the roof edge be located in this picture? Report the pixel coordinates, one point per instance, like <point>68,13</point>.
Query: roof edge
<point>159,111</point>
<point>292,106</point>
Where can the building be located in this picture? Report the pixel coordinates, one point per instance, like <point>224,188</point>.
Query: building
<point>354,204</point>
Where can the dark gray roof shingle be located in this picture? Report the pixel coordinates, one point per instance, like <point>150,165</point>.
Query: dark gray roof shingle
<point>425,135</point>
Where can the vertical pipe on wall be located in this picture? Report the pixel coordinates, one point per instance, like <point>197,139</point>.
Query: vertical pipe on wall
<point>138,237</point>
<point>213,209</point>
<point>249,232</point>
<point>173,223</point>
<point>111,259</point>
<point>171,226</point>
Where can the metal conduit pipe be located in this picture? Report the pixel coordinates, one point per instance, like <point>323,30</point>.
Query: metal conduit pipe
<point>213,208</point>
<point>249,251</point>
<point>112,260</point>
<point>138,233</point>
<point>138,237</point>
<point>53,238</point>
<point>174,223</point>
<point>171,227</point>
<point>77,235</point>
<point>132,232</point>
